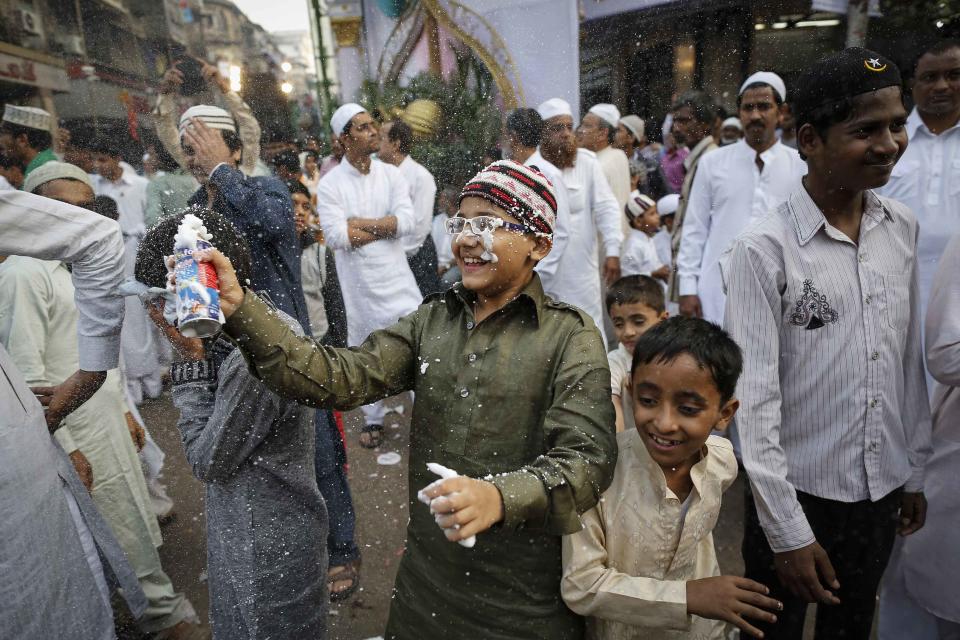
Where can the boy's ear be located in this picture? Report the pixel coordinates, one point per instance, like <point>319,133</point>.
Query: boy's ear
<point>727,411</point>
<point>664,315</point>
<point>808,140</point>
<point>541,248</point>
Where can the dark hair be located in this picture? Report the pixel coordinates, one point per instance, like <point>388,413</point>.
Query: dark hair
<point>611,129</point>
<point>705,342</point>
<point>526,125</point>
<point>760,85</point>
<point>105,146</point>
<point>936,48</point>
<point>8,162</point>
<point>823,117</point>
<point>286,160</point>
<point>312,154</point>
<point>165,161</point>
<point>295,186</point>
<point>401,133</point>
<point>701,106</point>
<point>36,138</point>
<point>150,268</point>
<point>636,290</point>
<point>106,206</point>
<point>347,127</point>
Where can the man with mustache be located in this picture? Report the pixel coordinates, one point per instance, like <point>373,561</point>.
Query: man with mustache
<point>593,210</point>
<point>734,185</point>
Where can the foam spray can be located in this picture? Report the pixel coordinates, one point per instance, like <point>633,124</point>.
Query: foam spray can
<point>198,292</point>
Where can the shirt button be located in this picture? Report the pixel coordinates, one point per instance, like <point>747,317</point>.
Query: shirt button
<point>470,325</point>
<point>868,299</point>
<point>872,446</point>
<point>862,257</point>
<point>873,403</point>
<point>874,356</point>
<point>464,392</point>
<point>472,357</point>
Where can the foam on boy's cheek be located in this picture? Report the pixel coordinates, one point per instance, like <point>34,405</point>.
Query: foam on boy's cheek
<point>487,238</point>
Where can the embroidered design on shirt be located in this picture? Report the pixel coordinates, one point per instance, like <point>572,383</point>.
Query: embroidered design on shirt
<point>812,311</point>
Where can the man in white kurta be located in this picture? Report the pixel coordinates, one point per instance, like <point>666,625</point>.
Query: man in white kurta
<point>734,185</point>
<point>596,133</point>
<point>593,210</point>
<point>365,210</point>
<point>139,342</point>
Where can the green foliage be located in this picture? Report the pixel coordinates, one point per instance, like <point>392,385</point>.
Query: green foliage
<point>470,118</point>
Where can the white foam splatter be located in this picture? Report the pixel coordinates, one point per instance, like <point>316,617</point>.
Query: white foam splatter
<point>189,231</point>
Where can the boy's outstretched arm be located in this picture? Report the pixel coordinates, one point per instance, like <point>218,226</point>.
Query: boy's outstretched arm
<point>298,368</point>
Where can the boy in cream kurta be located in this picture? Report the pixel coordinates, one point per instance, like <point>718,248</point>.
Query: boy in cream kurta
<point>644,565</point>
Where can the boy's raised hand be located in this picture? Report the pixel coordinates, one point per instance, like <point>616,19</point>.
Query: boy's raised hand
<point>731,599</point>
<point>464,506</point>
<point>231,293</point>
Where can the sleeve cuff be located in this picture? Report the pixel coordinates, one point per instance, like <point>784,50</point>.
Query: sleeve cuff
<point>524,499</point>
<point>217,168</point>
<point>688,286</point>
<point>65,439</point>
<point>787,535</point>
<point>613,249</point>
<point>915,482</point>
<point>99,353</point>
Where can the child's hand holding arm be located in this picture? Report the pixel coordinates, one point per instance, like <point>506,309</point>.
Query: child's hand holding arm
<point>731,599</point>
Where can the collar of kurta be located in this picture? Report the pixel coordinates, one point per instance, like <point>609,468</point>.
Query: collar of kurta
<point>915,123</point>
<point>808,219</point>
<point>45,156</point>
<point>531,297</point>
<point>705,468</point>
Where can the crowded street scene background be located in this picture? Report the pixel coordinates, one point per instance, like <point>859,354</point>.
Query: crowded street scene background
<point>489,319</point>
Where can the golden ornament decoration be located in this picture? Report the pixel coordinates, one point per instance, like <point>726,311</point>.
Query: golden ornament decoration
<point>423,116</point>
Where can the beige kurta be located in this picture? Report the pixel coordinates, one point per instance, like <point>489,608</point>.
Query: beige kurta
<point>627,569</point>
<point>616,169</point>
<point>38,326</point>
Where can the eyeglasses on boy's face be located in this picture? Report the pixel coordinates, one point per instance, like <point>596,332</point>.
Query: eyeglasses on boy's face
<point>481,224</point>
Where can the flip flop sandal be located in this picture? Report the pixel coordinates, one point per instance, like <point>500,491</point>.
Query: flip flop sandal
<point>349,573</point>
<point>375,437</point>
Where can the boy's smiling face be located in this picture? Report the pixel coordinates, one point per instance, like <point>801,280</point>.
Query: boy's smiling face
<point>631,320</point>
<point>517,253</point>
<point>676,404</point>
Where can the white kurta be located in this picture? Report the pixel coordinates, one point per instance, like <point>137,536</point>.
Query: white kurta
<point>547,268</point>
<point>139,340</point>
<point>423,193</point>
<point>442,241</point>
<point>927,179</point>
<point>593,209</point>
<point>728,193</point>
<point>640,256</point>
<point>378,286</point>
<point>616,168</point>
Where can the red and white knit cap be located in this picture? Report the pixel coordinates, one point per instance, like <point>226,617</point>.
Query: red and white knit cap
<point>521,191</point>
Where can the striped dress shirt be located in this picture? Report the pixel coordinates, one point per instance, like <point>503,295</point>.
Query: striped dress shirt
<point>833,396</point>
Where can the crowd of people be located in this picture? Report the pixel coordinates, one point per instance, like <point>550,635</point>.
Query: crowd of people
<point>598,333</point>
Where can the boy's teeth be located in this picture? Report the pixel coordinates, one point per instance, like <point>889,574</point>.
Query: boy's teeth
<point>662,440</point>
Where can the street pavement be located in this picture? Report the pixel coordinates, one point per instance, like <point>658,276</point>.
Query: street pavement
<point>379,493</point>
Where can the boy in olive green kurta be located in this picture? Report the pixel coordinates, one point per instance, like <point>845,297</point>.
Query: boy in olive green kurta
<point>512,391</point>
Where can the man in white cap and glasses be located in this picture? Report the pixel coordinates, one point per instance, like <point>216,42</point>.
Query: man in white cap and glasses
<point>734,185</point>
<point>593,209</point>
<point>365,210</point>
<point>596,133</point>
<point>731,130</point>
<point>25,135</point>
<point>259,206</point>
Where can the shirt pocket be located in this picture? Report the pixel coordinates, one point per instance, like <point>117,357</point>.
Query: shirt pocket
<point>896,302</point>
<point>904,181</point>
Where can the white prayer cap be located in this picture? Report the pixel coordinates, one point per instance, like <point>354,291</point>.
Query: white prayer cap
<point>343,115</point>
<point>635,125</point>
<point>554,107</point>
<point>30,117</point>
<point>638,204</point>
<point>732,122</point>
<point>213,117</point>
<point>766,77</point>
<point>606,112</point>
<point>54,170</point>
<point>668,204</point>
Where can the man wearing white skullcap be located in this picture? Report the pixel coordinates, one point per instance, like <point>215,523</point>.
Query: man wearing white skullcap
<point>365,208</point>
<point>39,333</point>
<point>25,135</point>
<point>734,185</point>
<point>596,133</point>
<point>731,130</point>
<point>593,209</point>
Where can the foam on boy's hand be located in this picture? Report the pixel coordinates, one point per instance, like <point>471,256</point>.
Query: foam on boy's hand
<point>445,473</point>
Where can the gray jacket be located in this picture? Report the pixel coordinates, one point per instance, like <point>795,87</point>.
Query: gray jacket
<point>266,520</point>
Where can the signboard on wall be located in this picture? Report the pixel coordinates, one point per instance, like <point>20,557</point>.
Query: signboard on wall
<point>37,74</point>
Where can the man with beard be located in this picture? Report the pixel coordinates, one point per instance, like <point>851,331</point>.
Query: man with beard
<point>365,209</point>
<point>692,122</point>
<point>734,185</point>
<point>593,210</point>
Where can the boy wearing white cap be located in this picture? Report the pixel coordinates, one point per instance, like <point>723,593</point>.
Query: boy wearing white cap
<point>365,209</point>
<point>596,132</point>
<point>639,252</point>
<point>593,210</point>
<point>734,185</point>
<point>25,135</point>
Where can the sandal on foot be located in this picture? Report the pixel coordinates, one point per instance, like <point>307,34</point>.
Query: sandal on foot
<point>374,436</point>
<point>349,572</point>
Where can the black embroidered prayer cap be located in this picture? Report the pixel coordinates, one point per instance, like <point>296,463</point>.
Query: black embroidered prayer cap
<point>846,74</point>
